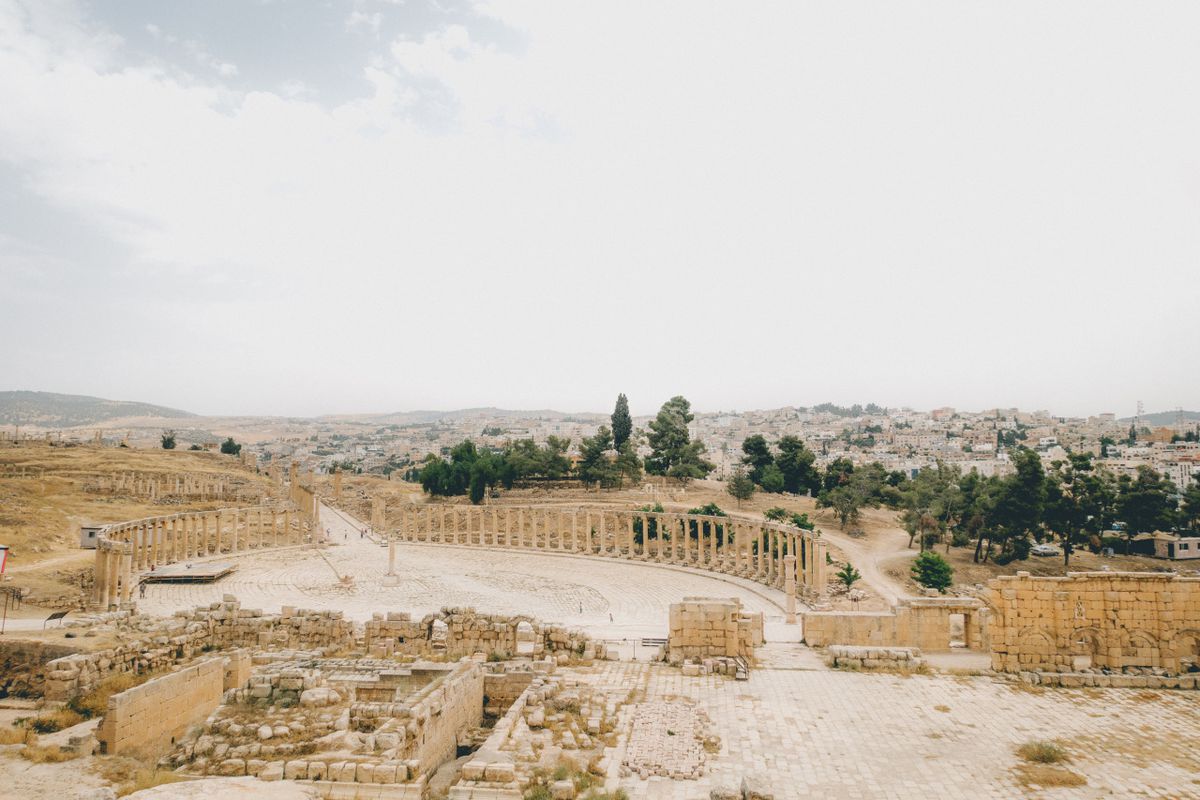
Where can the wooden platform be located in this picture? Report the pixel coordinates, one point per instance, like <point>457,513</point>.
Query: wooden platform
<point>189,573</point>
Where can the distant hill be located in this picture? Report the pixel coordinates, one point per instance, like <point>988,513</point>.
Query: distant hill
<point>50,410</point>
<point>425,417</point>
<point>1166,418</point>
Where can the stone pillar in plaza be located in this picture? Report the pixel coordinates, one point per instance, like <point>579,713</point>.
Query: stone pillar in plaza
<point>789,587</point>
<point>111,582</point>
<point>376,512</point>
<point>391,556</point>
<point>337,486</point>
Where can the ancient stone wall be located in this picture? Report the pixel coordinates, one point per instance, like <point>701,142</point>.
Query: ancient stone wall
<point>705,627</point>
<point>929,623</point>
<point>23,666</point>
<point>463,632</point>
<point>501,689</point>
<point>148,718</point>
<point>162,644</point>
<point>1112,621</point>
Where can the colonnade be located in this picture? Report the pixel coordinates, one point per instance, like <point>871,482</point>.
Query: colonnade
<point>776,555</point>
<point>124,549</point>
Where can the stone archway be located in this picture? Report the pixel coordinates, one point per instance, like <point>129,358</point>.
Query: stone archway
<point>1088,649</point>
<point>1186,647</point>
<point>1140,650</point>
<point>1036,648</point>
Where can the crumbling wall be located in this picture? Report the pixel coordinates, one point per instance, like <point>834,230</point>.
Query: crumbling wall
<point>23,666</point>
<point>927,623</point>
<point>163,644</point>
<point>706,627</point>
<point>148,718</point>
<point>463,632</point>
<point>1117,621</point>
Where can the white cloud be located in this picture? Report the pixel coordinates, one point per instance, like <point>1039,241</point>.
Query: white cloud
<point>825,203</point>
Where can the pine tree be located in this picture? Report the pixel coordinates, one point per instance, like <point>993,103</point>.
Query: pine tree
<point>740,486</point>
<point>622,423</point>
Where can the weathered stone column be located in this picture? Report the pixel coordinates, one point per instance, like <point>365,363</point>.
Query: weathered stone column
<point>235,534</point>
<point>126,574</point>
<point>603,535</point>
<point>391,556</point>
<point>789,587</point>
<point>110,584</point>
<point>218,517</point>
<point>520,527</point>
<point>100,576</point>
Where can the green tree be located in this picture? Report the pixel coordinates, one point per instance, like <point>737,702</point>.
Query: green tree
<point>1019,505</point>
<point>231,448</point>
<point>932,571</point>
<point>1191,504</point>
<point>798,465</point>
<point>1145,503</point>
<point>757,456</point>
<point>739,485</point>
<point>771,479</point>
<point>622,423</point>
<point>849,575</point>
<point>673,453</point>
<point>168,440</point>
<point>629,466</point>
<point>595,464</point>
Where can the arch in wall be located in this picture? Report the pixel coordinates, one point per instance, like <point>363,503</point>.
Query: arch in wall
<point>1141,650</point>
<point>1088,648</point>
<point>1035,647</point>
<point>1186,648</point>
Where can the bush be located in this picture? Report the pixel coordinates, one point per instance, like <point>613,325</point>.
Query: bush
<point>960,539</point>
<point>849,575</point>
<point>1041,752</point>
<point>231,448</point>
<point>932,571</point>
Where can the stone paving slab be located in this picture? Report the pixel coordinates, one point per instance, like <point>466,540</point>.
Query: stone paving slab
<point>810,732</point>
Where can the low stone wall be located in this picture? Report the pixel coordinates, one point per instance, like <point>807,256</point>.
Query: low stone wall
<point>926,623</point>
<point>23,666</point>
<point>463,632</point>
<point>853,657</point>
<point>501,690</point>
<point>706,627</point>
<point>148,718</point>
<point>163,644</point>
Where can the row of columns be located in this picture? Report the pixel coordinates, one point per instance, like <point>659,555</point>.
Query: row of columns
<point>767,553</point>
<point>129,547</point>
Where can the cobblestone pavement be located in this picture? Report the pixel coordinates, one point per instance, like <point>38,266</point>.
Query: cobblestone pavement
<point>608,598</point>
<point>808,732</point>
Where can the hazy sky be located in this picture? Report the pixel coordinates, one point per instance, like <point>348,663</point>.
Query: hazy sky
<point>300,208</point>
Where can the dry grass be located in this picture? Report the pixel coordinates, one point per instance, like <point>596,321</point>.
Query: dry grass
<point>943,709</point>
<point>17,736</point>
<point>42,754</point>
<point>129,774</point>
<point>95,702</point>
<point>1043,752</point>
<point>1048,776</point>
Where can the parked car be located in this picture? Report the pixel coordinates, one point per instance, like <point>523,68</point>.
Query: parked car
<point>1046,550</point>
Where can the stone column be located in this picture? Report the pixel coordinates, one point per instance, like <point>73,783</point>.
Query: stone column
<point>789,587</point>
<point>587,532</point>
<point>391,556</point>
<point>628,533</point>
<point>236,534</point>
<point>520,527</point>
<point>100,577</point>
<point>111,585</point>
<point>603,535</point>
<point>126,575</point>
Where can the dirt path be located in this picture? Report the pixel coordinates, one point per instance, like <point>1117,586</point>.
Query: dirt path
<point>883,544</point>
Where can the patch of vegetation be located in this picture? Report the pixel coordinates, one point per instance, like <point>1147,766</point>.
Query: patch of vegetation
<point>1043,752</point>
<point>43,754</point>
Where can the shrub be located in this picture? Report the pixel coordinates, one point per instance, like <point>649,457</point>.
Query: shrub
<point>1042,752</point>
<point>849,575</point>
<point>932,571</point>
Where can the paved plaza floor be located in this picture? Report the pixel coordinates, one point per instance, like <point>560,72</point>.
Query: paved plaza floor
<point>608,598</point>
<point>809,732</point>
